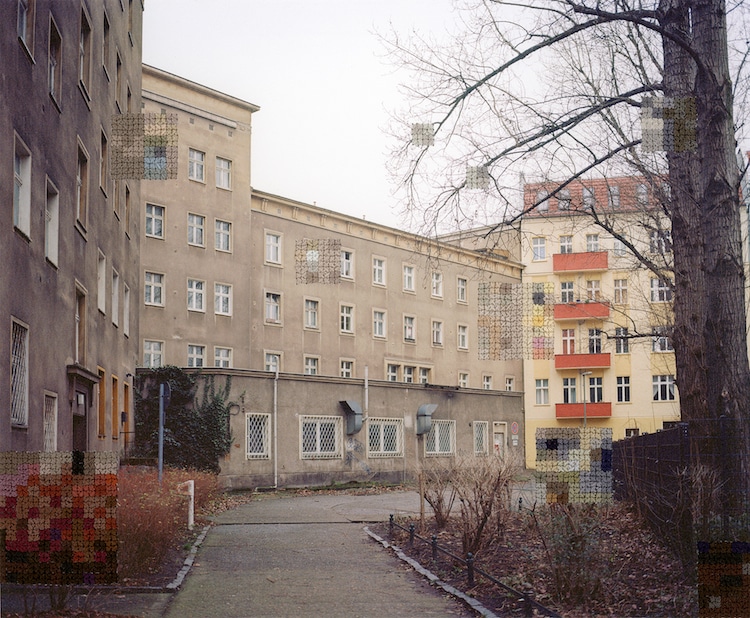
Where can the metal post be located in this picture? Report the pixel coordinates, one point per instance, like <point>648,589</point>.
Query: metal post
<point>411,533</point>
<point>390,526</point>
<point>434,547</point>
<point>470,568</point>
<point>520,503</point>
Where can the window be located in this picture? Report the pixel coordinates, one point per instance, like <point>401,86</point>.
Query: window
<point>311,313</point>
<point>82,185</point>
<point>84,54</point>
<point>378,323</point>
<point>661,290</point>
<point>152,353</point>
<point>385,437</point>
<point>104,164</point>
<point>509,384</point>
<point>101,282</point>
<point>663,388</point>
<point>437,285</point>
<point>195,291</point>
<point>542,201</point>
<point>126,311</point>
<point>621,291</point>
<point>463,337</point>
<point>441,439</point>
<point>154,288</point>
<point>22,188</point>
<point>80,327</point>
<point>311,365</point>
<point>272,361</point>
<point>347,264</point>
<point>410,331</point>
<point>592,242</point>
<point>461,290</point>
<point>542,391</point>
<point>118,80</point>
<point>563,199</point>
<point>408,278</point>
<point>114,407</point>
<point>222,299</point>
<point>596,390</point>
<point>222,357</point>
<point>589,198</point>
<point>223,173</point>
<point>54,63</point>
<point>569,390</point>
<point>595,341</point>
<point>154,221</point>
<point>660,241</point>
<point>273,307</point>
<point>487,383</point>
<point>620,248</point>
<point>320,437</point>
<point>463,380</point>
<point>52,224</point>
<point>196,228</point>
<point>196,163</point>
<point>623,389</point>
<point>115,297</point>
<point>424,375</point>
<point>593,289</point>
<point>613,197</point>
<point>346,368</point>
<point>437,333</point>
<point>19,374</point>
<point>50,422</point>
<point>196,355</point>
<point>539,249</point>
<point>568,340</point>
<point>346,319</point>
<point>660,339</point>
<point>566,244</point>
<point>257,436</point>
<point>222,235</point>
<point>391,373</point>
<point>641,194</point>
<point>481,437</point>
<point>567,294</point>
<point>273,248</point>
<point>25,23</point>
<point>105,46</point>
<point>378,271</point>
<point>622,345</point>
<point>632,432</point>
<point>101,417</point>
<point>409,374</point>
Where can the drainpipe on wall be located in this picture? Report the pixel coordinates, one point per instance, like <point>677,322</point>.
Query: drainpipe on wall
<point>367,389</point>
<point>276,429</point>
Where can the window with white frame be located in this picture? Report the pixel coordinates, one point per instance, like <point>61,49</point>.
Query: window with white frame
<point>623,389</point>
<point>566,244</point>
<point>563,199</point>
<point>410,328</point>
<point>568,340</point>
<point>196,355</point>
<point>620,248</point>
<point>154,221</point>
<point>542,201</point>
<point>19,374</point>
<point>408,278</point>
<point>82,185</point>
<point>346,368</point>
<point>463,379</point>
<point>22,188</point>
<point>595,341</point>
<point>592,242</point>
<point>378,271</point>
<point>196,229</point>
<point>106,45</point>
<point>222,299</point>
<point>115,297</point>
<point>223,173</point>
<point>196,165</point>
<point>461,289</point>
<point>311,365</point>
<point>101,282</point>
<point>424,375</point>
<point>378,323</point>
<point>437,333</point>
<point>153,353</point>
<point>153,291</point>
<point>273,308</point>
<point>437,285</point>
<point>272,361</point>
<point>487,383</point>
<point>346,318</point>
<point>25,23</point>
<point>596,390</point>
<point>385,437</point>
<point>126,310</point>
<point>660,241</point>
<point>195,295</point>
<point>663,387</point>
<point>539,248</point>
<point>273,248</point>
<point>569,390</point>
<point>312,308</point>
<point>593,289</point>
<point>347,264</point>
<point>621,291</point>
<point>52,224</point>
<point>104,164</point>
<point>613,197</point>
<point>463,337</point>
<point>50,422</point>
<point>257,436</point>
<point>510,383</point>
<point>321,437</point>
<point>441,440</point>
<point>542,391</point>
<point>54,63</point>
<point>641,194</point>
<point>567,293</point>
<point>481,437</point>
<point>661,290</point>
<point>391,372</point>
<point>222,235</point>
<point>661,340</point>
<point>222,357</point>
<point>589,198</point>
<point>622,345</point>
<point>409,373</point>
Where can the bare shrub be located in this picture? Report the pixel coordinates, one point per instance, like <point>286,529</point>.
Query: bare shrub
<point>439,490</point>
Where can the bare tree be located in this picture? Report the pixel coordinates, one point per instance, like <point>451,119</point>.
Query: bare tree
<point>555,88</point>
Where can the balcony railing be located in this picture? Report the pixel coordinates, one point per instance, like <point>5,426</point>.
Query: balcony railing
<point>583,361</point>
<point>602,409</point>
<point>589,260</point>
<point>582,311</point>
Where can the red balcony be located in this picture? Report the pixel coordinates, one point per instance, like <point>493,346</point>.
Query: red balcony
<point>583,361</point>
<point>575,410</point>
<point>590,260</point>
<point>582,311</point>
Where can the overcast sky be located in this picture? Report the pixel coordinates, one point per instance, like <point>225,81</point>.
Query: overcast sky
<point>315,68</point>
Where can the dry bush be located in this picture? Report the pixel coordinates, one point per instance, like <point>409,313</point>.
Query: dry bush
<point>152,520</point>
<point>439,491</point>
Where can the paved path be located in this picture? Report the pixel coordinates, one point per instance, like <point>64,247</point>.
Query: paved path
<point>307,556</point>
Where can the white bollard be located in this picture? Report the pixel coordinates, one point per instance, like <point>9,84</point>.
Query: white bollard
<point>188,489</point>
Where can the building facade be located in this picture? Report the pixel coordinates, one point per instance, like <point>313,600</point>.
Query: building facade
<point>613,363</point>
<point>69,249</point>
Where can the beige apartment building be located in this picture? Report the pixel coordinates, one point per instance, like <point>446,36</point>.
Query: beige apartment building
<point>613,363</point>
<point>69,246</point>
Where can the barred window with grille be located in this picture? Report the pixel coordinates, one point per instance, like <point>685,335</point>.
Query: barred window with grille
<point>442,438</point>
<point>385,437</point>
<point>321,437</point>
<point>19,375</point>
<point>257,432</point>
<point>481,437</point>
